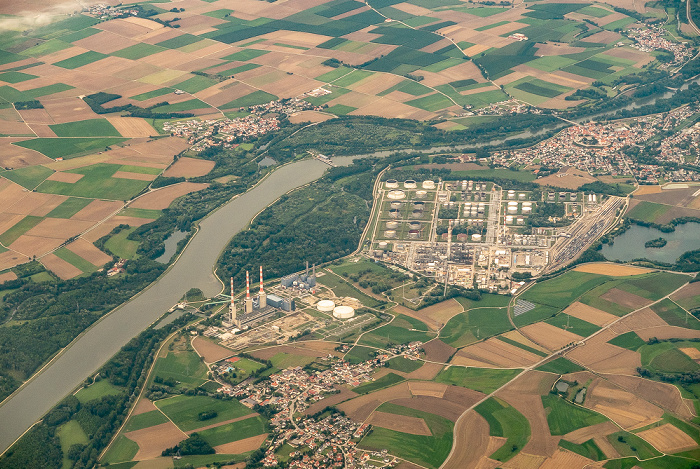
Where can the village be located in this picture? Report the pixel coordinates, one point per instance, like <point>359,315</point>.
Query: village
<point>652,38</point>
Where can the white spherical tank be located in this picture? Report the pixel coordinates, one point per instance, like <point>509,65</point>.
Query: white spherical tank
<point>392,183</point>
<point>343,312</point>
<point>429,184</point>
<point>396,195</point>
<point>325,306</point>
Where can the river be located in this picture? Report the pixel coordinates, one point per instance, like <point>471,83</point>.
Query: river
<point>192,269</point>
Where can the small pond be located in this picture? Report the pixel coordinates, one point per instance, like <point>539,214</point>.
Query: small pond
<point>171,246</point>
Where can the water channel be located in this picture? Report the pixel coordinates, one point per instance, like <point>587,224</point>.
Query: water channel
<point>192,269</point>
<point>630,244</point>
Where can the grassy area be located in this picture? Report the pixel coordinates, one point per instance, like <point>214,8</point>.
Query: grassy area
<point>235,431</point>
<point>560,366</point>
<point>629,340</point>
<point>628,444</point>
<point>564,417</point>
<point>97,182</point>
<point>69,207</point>
<point>675,315</point>
<point>151,214</point>
<point>184,410</point>
<point>522,346</point>
<point>341,288</point>
<point>145,420</point>
<point>402,330</point>
<point>75,260</point>
<point>380,383</point>
<point>428,451</point>
<point>538,313</point>
<point>68,147</point>
<point>138,51</point>
<point>285,360</point>
<point>256,97</point>
<point>97,390</point>
<point>664,357</point>
<point>80,60</point>
<point>21,227</point>
<point>653,286</point>
<point>122,449</point>
<point>359,354</point>
<point>563,290</point>
<point>404,364</point>
<point>587,449</point>
<point>28,177</point>
<point>648,211</point>
<point>185,367</point>
<point>69,434</point>
<point>485,380</point>
<point>122,247</point>
<point>475,324</point>
<point>573,324</point>
<point>86,128</point>
<point>504,421</point>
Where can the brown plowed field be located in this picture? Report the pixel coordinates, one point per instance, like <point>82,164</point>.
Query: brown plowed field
<point>568,179</point>
<point>611,269</point>
<point>667,438</point>
<point>639,320</point>
<point>60,267</point>
<point>567,459</point>
<point>464,361</point>
<point>58,228</point>
<point>584,434</point>
<point>36,246</point>
<point>661,394</point>
<point>153,440</point>
<point>210,351</point>
<point>549,336</point>
<point>427,388</point>
<point>35,203</point>
<point>692,352</point>
<point>98,210</point>
<point>309,116</point>
<point>242,446</point>
<point>622,407</point>
<point>4,277</point>
<point>688,291</point>
<point>132,127</point>
<point>7,221</point>
<point>471,442</point>
<point>625,298</point>
<point>189,168</point>
<point>500,353</point>
<point>530,405</point>
<point>521,339</point>
<point>144,406</point>
<point>104,228</point>
<point>333,399</point>
<point>463,396</point>
<point>427,372</point>
<point>668,332</point>
<point>441,312</point>
<point>400,423</point>
<point>438,351</point>
<point>532,382</point>
<point>69,178</point>
<point>35,116</point>
<point>89,252</point>
<point>362,407</point>
<point>433,405</point>
<point>524,461</point>
<point>605,446</point>
<point>11,258</point>
<point>162,198</point>
<point>606,358</point>
<point>590,314</point>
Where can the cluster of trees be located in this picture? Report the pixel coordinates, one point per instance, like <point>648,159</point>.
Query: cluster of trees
<point>544,211</point>
<point>32,104</point>
<point>195,444</point>
<point>98,100</point>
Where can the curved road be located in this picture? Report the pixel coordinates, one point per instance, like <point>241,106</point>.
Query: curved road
<point>192,269</point>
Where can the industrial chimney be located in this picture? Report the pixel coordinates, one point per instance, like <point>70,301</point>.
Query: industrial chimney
<point>262,298</point>
<point>248,299</point>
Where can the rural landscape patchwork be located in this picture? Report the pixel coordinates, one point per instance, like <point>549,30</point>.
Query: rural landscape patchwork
<point>412,234</point>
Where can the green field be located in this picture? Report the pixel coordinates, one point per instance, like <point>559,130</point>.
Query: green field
<point>182,106</point>
<point>632,445</point>
<point>484,380</point>
<point>69,207</point>
<point>235,431</point>
<point>97,183</point>
<point>145,420</point>
<point>648,211</point>
<point>153,94</point>
<point>401,330</point>
<point>653,286</point>
<point>24,225</point>
<point>122,449</point>
<point>86,128</point>
<point>560,366</point>
<point>563,290</point>
<point>141,213</point>
<point>542,88</point>
<point>179,41</point>
<point>359,354</point>
<point>340,109</point>
<point>80,60</point>
<point>538,313</point>
<point>433,102</point>
<point>68,147</point>
<point>246,55</point>
<point>675,315</point>
<point>71,433</point>
<point>476,324</point>
<point>573,324</point>
<point>97,390</point>
<point>522,346</point>
<point>15,77</point>
<point>629,340</point>
<point>285,360</point>
<point>342,288</point>
<point>664,357</point>
<point>184,410</point>
<point>564,417</point>
<point>404,364</point>
<point>75,260</point>
<point>122,247</point>
<point>138,51</point>
<point>587,449</point>
<point>184,367</point>
<point>196,84</point>
<point>379,383</point>
<point>256,97</point>
<point>504,421</point>
<point>28,177</point>
<point>428,451</point>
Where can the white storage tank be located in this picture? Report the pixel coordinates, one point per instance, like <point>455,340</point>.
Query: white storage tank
<point>513,208</point>
<point>343,312</point>
<point>390,234</point>
<point>396,195</point>
<point>392,183</point>
<point>325,306</point>
<point>476,237</point>
<point>421,194</point>
<point>392,225</point>
<point>511,194</point>
<point>429,184</point>
<point>383,244</point>
<point>410,184</point>
<point>521,196</point>
<point>509,219</point>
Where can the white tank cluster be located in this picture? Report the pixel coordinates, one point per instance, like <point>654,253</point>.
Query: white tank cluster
<point>512,207</point>
<point>396,195</point>
<point>392,184</point>
<point>410,184</point>
<point>527,208</point>
<point>343,312</point>
<point>509,219</point>
<point>511,194</point>
<point>429,184</point>
<point>325,306</point>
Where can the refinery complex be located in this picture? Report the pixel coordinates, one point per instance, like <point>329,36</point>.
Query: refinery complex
<point>478,234</point>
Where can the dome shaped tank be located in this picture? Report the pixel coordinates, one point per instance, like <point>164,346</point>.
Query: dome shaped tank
<point>396,195</point>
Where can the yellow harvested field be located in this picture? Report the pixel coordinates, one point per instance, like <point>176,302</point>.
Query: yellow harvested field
<point>563,458</point>
<point>10,259</point>
<point>662,394</point>
<point>162,198</point>
<point>153,440</point>
<point>427,388</point>
<point>60,267</point>
<point>590,314</point>
<point>471,442</point>
<point>668,332</point>
<point>98,210</point>
<point>309,116</point>
<point>89,252</point>
<point>614,270</point>
<point>35,246</point>
<point>499,353</point>
<point>399,423</point>
<point>524,460</point>
<point>691,352</point>
<point>162,76</point>
<point>189,167</point>
<point>642,319</point>
<point>7,276</point>
<point>132,127</point>
<point>104,228</point>
<point>586,433</point>
<point>645,190</point>
<point>622,407</point>
<point>70,178</point>
<point>242,446</point>
<point>59,228</point>
<point>35,203</point>
<point>548,336</point>
<point>667,438</point>
<point>606,358</point>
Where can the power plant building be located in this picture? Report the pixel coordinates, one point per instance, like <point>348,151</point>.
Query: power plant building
<point>256,309</point>
<point>303,281</point>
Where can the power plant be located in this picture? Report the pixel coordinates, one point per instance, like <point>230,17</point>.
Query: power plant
<point>301,281</point>
<point>256,309</point>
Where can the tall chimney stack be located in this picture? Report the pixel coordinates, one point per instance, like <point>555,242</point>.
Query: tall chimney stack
<point>232,308</point>
<point>248,299</point>
<point>262,297</point>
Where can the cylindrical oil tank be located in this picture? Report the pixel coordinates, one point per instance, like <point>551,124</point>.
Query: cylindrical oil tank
<point>396,195</point>
<point>343,312</point>
<point>527,210</point>
<point>521,196</point>
<point>417,214</point>
<point>396,204</point>
<point>421,194</point>
<point>392,183</point>
<point>410,184</point>
<point>383,244</point>
<point>509,219</point>
<point>390,234</point>
<point>476,237</point>
<point>414,225</point>
<point>512,209</point>
<point>392,225</point>
<point>325,306</point>
<point>413,234</point>
<point>429,184</point>
<point>394,213</point>
<point>511,194</point>
<point>520,221</point>
<point>419,205</point>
